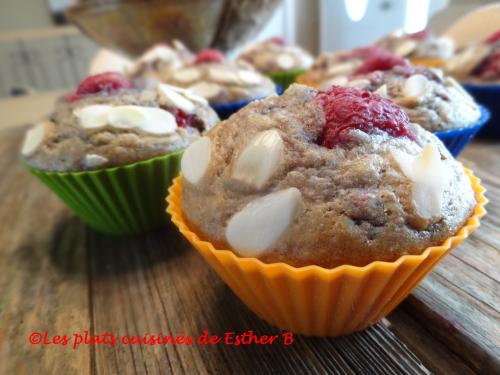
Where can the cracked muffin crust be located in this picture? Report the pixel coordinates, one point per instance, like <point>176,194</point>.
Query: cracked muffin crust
<point>264,183</point>
<point>106,123</point>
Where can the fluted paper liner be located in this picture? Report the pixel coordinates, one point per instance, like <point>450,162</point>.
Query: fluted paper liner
<point>129,199</point>
<point>430,63</point>
<point>317,301</point>
<point>303,80</point>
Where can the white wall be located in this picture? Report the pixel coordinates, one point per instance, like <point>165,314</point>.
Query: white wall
<point>24,14</point>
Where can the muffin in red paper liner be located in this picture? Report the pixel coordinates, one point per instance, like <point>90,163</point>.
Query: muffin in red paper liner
<point>325,208</point>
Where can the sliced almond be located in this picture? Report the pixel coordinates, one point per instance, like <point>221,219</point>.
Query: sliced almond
<point>94,160</point>
<point>341,69</point>
<point>93,116</point>
<point>259,159</point>
<point>358,83</point>
<point>175,99</point>
<point>429,176</point>
<point>206,90</point>
<point>149,119</point>
<point>416,86</point>
<point>249,77</point>
<point>285,61</point>
<point>382,91</point>
<point>126,117</point>
<point>405,47</point>
<point>262,222</point>
<point>223,75</point>
<point>195,160</point>
<point>187,75</point>
<point>33,139</point>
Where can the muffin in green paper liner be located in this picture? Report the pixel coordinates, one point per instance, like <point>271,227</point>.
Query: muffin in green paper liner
<point>281,62</point>
<point>109,151</point>
<point>283,79</point>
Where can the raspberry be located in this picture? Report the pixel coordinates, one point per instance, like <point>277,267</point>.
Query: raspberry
<point>381,61</point>
<point>349,108</point>
<point>106,82</point>
<point>279,40</point>
<point>420,35</point>
<point>209,56</point>
<point>183,119</point>
<point>72,97</point>
<point>493,38</point>
<point>490,68</point>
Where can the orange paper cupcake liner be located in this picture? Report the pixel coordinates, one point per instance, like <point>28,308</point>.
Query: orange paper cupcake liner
<point>303,80</point>
<point>317,301</point>
<point>430,63</point>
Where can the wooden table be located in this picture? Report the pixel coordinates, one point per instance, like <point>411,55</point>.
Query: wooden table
<point>60,277</point>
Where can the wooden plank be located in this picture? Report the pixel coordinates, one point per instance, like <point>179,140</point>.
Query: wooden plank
<point>157,284</point>
<point>458,303</point>
<point>43,273</point>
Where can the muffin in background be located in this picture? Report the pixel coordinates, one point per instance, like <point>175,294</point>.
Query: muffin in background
<point>339,159</point>
<point>225,85</point>
<point>156,64</point>
<point>436,102</point>
<point>281,62</point>
<point>110,151</point>
<point>422,48</point>
<point>477,67</point>
<point>309,205</point>
<point>334,68</point>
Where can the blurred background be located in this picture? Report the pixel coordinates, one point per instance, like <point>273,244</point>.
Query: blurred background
<point>41,51</point>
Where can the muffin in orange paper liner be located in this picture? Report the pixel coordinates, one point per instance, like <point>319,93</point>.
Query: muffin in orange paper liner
<point>318,301</point>
<point>326,205</point>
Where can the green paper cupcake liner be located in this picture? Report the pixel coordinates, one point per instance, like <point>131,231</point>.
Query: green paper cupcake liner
<point>128,199</point>
<point>285,78</point>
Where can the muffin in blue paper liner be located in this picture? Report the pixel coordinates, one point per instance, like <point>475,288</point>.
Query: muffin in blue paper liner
<point>489,96</point>
<point>455,140</point>
<point>225,85</point>
<point>225,110</point>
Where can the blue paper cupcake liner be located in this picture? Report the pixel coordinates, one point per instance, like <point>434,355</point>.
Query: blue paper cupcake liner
<point>455,140</point>
<point>225,110</point>
<point>489,96</point>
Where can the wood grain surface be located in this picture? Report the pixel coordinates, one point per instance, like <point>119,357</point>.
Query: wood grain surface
<point>60,277</point>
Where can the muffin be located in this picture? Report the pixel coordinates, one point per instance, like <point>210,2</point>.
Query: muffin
<point>478,62</point>
<point>109,148</point>
<point>227,86</point>
<point>436,102</point>
<point>422,48</point>
<point>322,209</point>
<point>281,62</point>
<point>335,68</point>
<point>340,178</point>
<point>477,66</point>
<point>157,63</point>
